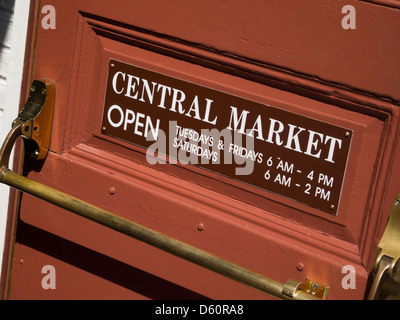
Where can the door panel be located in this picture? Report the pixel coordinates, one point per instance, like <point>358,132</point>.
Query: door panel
<point>271,53</point>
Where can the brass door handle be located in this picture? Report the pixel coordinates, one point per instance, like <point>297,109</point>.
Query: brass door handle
<point>386,284</point>
<point>34,124</point>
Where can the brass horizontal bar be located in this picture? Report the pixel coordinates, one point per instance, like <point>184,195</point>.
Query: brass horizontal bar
<point>151,237</point>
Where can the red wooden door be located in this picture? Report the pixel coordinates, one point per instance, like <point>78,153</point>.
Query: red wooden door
<point>318,95</point>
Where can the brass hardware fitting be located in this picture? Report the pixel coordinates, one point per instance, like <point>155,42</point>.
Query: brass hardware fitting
<point>293,287</point>
<point>34,124</point>
<point>38,113</point>
<point>388,254</point>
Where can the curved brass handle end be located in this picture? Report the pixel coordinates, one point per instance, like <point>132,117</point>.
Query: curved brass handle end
<point>34,123</point>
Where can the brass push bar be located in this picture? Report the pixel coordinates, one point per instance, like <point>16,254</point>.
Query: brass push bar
<point>34,125</point>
